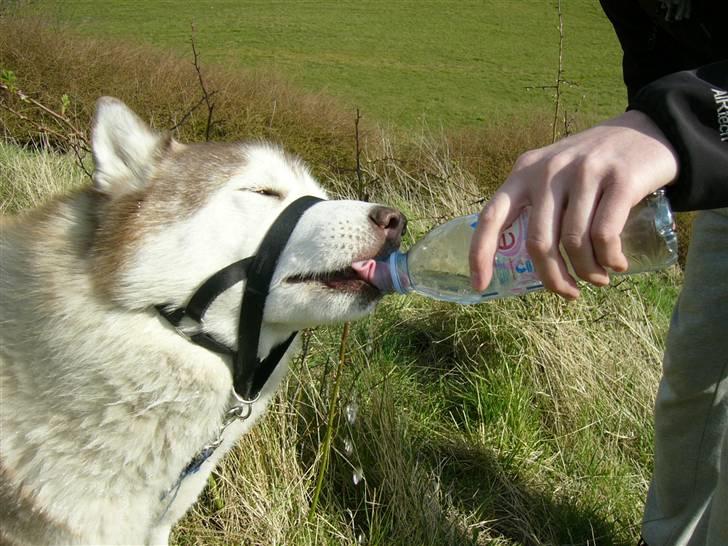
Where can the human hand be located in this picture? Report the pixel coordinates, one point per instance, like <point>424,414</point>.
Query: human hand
<point>580,191</point>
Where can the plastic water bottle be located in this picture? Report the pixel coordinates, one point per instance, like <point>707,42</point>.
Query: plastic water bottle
<point>437,266</point>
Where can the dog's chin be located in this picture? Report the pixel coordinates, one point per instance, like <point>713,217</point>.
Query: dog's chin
<point>308,301</point>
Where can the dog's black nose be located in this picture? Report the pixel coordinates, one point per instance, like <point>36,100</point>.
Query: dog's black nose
<point>391,221</point>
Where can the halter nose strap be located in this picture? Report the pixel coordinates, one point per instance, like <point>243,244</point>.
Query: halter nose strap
<point>249,372</point>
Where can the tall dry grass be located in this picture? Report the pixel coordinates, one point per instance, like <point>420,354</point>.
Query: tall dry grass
<point>524,421</point>
<point>30,177</point>
<point>50,60</point>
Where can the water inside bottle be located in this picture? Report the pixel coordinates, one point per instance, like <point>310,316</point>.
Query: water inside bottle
<point>649,241</point>
<point>440,264</point>
<point>443,282</point>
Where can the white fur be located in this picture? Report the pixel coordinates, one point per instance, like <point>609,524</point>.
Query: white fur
<point>103,403</point>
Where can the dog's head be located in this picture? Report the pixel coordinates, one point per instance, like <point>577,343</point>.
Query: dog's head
<point>171,215</point>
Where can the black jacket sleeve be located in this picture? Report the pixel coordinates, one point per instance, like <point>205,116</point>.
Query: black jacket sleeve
<point>691,109</point>
<point>677,73</point>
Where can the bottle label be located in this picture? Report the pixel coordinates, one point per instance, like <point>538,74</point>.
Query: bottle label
<point>513,267</point>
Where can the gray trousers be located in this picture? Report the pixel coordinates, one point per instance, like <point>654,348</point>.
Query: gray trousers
<point>687,503</point>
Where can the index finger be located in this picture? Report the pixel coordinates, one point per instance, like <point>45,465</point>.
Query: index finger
<point>497,215</point>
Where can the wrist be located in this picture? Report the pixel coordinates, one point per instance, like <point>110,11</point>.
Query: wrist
<point>658,149</point>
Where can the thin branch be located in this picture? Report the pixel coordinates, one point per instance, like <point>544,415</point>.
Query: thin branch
<point>206,96</point>
<point>559,73</point>
<point>189,113</point>
<point>73,137</point>
<point>79,160</point>
<point>333,401</point>
<point>38,126</point>
<point>560,82</point>
<point>61,119</point>
<point>359,175</point>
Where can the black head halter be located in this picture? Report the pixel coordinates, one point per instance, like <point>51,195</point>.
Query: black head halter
<point>249,372</point>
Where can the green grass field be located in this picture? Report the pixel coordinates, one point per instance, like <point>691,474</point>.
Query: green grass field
<point>442,61</point>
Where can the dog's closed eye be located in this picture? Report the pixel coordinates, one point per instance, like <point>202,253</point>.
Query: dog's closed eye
<point>267,192</point>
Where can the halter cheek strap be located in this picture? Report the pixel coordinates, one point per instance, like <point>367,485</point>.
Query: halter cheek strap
<point>249,372</point>
<point>201,300</point>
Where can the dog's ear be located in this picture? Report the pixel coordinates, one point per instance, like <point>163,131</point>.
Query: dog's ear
<point>125,149</point>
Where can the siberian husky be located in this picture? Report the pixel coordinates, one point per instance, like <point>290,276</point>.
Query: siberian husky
<point>103,403</point>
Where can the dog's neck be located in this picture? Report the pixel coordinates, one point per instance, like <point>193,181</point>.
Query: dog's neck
<point>105,371</point>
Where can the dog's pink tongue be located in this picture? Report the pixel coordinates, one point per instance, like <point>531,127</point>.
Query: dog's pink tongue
<point>366,269</point>
<point>375,273</point>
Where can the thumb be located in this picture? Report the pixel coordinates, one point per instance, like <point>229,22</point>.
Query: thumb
<point>497,215</point>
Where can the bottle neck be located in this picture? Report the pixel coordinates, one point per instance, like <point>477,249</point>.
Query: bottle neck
<point>399,272</point>
<point>664,220</point>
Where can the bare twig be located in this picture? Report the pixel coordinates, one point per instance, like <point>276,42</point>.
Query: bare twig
<point>335,395</point>
<point>37,125</point>
<point>333,401</point>
<point>67,132</point>
<point>73,131</point>
<point>559,73</point>
<point>206,96</point>
<point>359,174</point>
<point>189,113</point>
<point>558,84</point>
<point>79,160</point>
